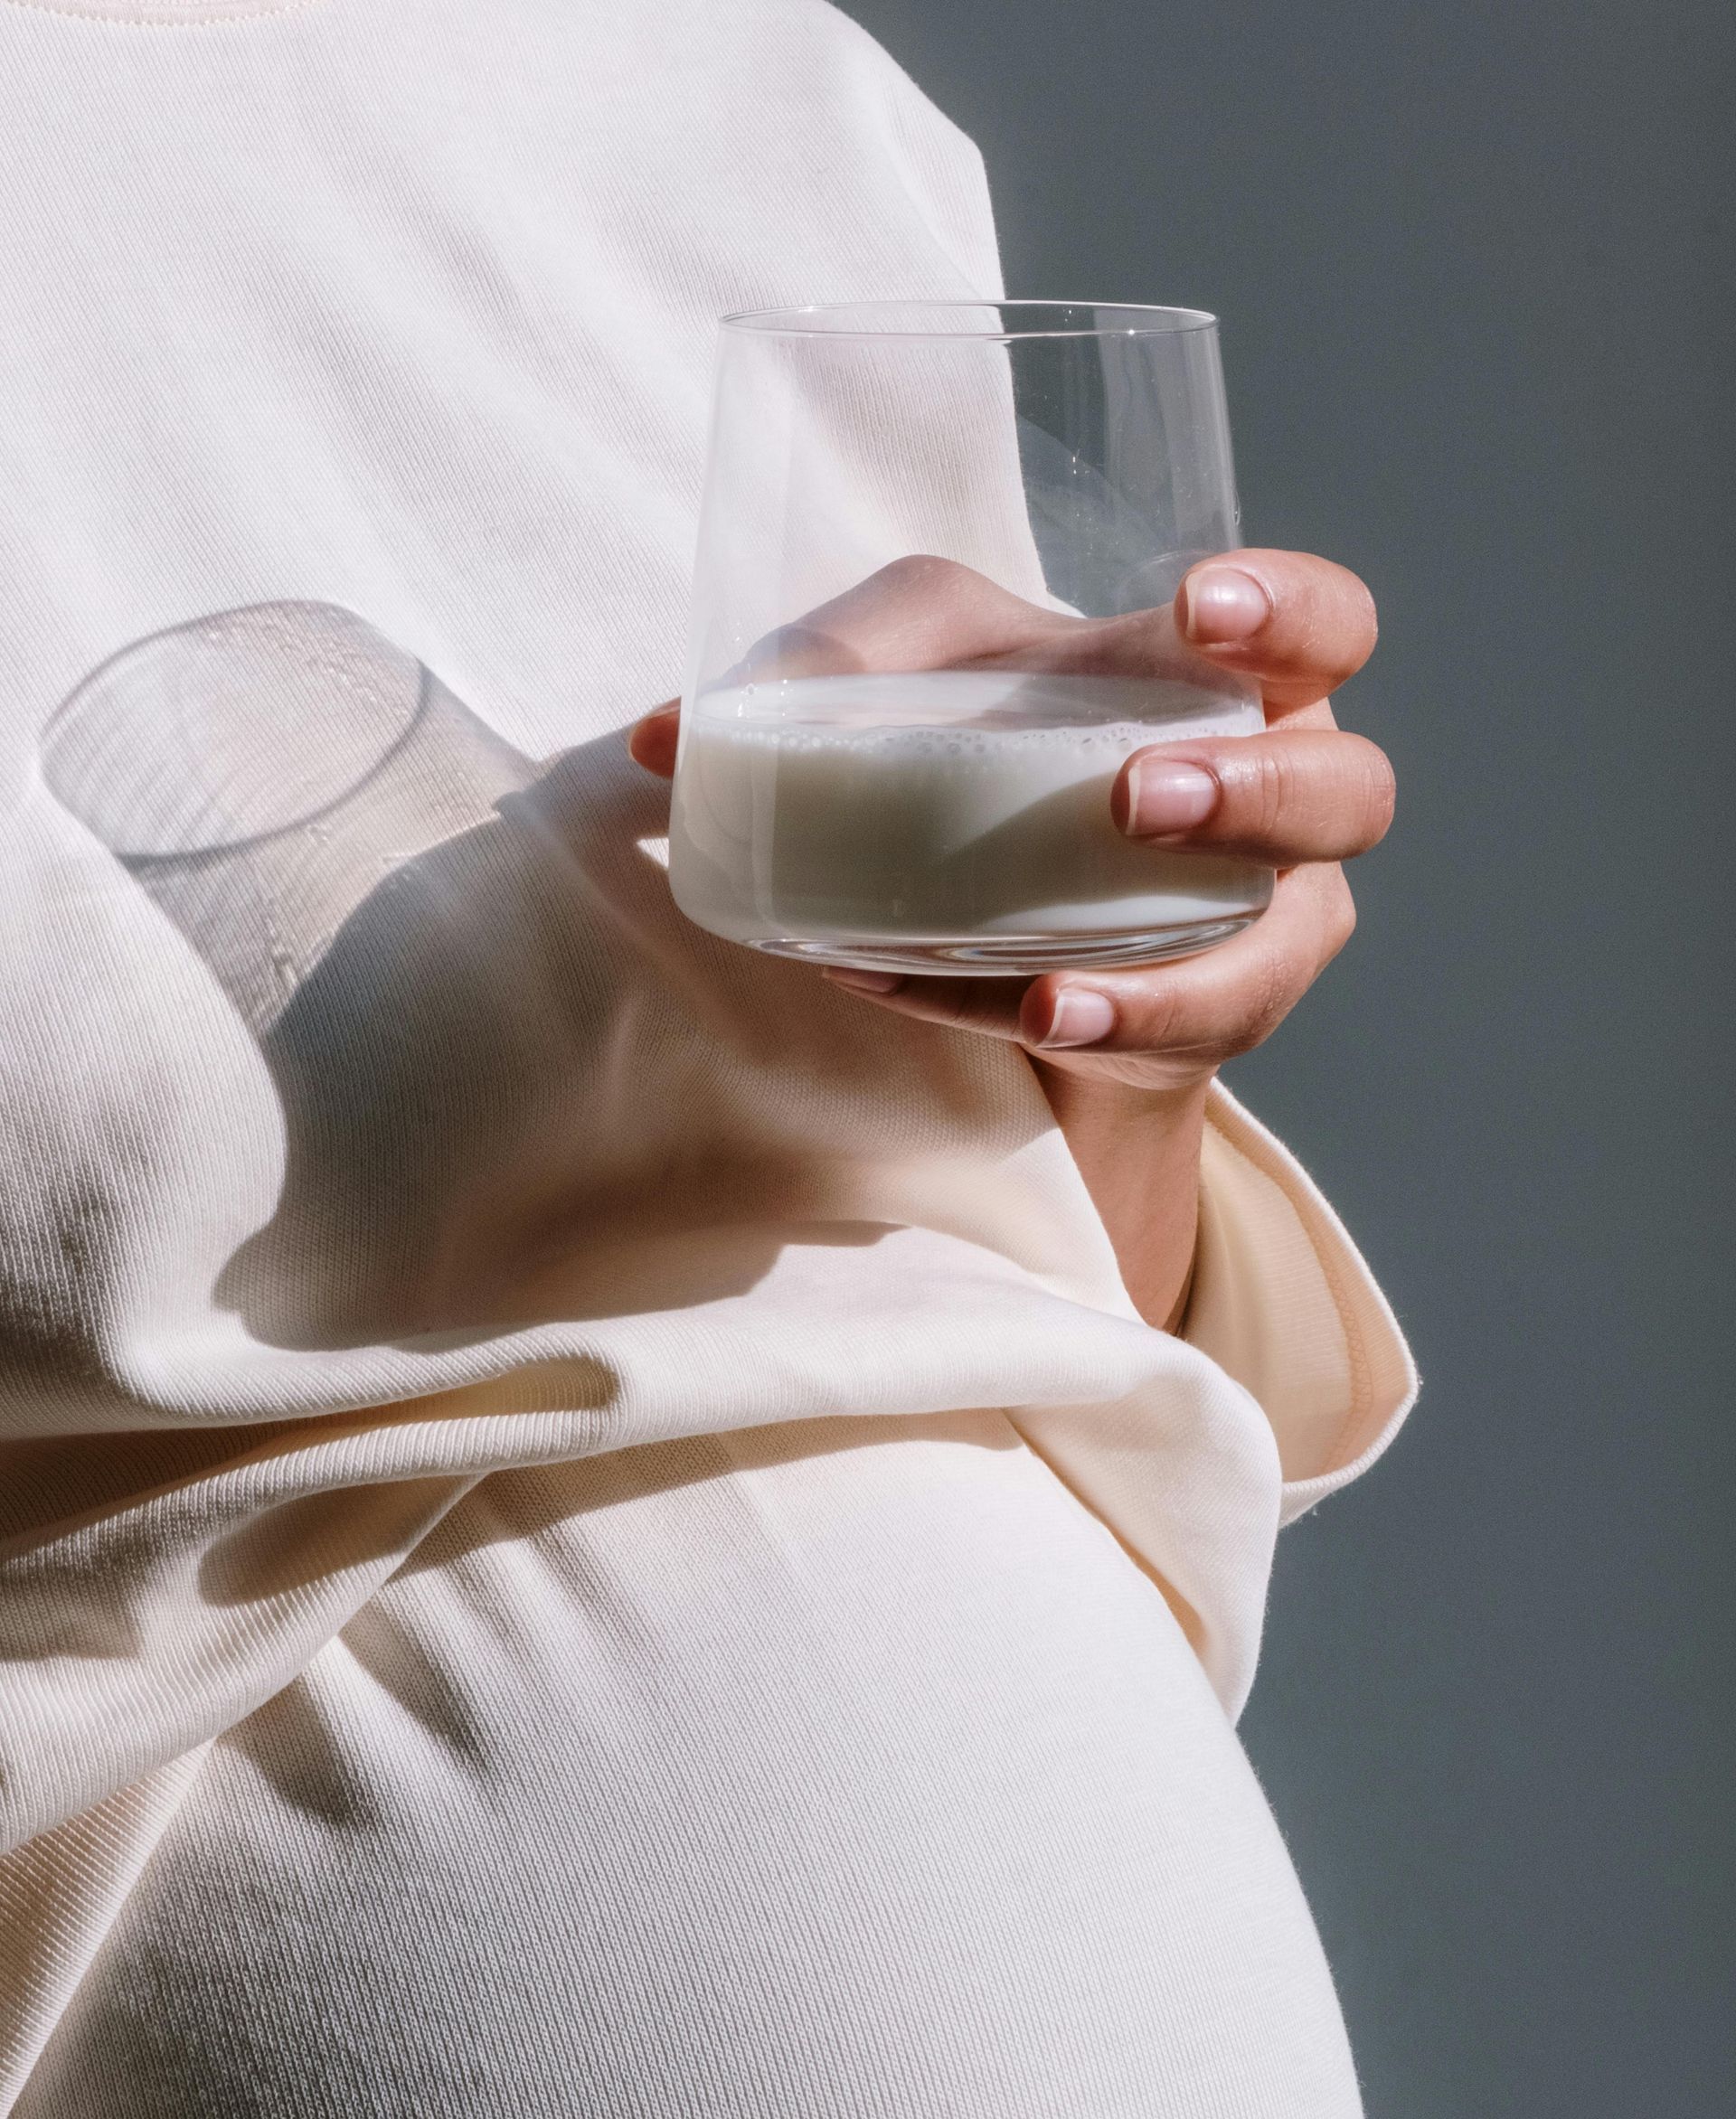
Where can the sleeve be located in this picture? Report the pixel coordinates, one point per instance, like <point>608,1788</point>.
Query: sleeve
<point>1283,1303</point>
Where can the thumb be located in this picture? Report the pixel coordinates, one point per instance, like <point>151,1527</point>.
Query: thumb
<point>652,742</point>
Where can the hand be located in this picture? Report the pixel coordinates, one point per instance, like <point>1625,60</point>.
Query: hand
<point>1301,798</point>
<point>1125,1056</point>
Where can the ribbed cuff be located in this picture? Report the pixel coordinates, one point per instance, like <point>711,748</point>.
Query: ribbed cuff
<point>1283,1302</point>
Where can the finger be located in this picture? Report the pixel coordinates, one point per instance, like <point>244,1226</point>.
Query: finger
<point>1290,795</point>
<point>1203,1008</point>
<point>989,1006</point>
<point>653,740</point>
<point>1299,624</point>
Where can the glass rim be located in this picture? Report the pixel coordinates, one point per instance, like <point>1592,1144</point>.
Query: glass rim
<point>879,319</point>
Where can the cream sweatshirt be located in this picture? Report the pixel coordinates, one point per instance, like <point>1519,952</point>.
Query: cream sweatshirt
<point>586,1525</point>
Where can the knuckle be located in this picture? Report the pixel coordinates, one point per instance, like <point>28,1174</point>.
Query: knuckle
<point>922,573</point>
<point>1362,622</point>
<point>974,1004</point>
<point>1258,791</point>
<point>1281,788</point>
<point>1340,921</point>
<point>1158,1022</point>
<point>1379,792</point>
<point>1362,603</point>
<point>1371,613</point>
<point>1264,1006</point>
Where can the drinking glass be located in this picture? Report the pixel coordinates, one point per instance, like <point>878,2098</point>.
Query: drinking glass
<point>898,729</point>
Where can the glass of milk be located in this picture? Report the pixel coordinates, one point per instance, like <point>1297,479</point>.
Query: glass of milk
<point>905,707</point>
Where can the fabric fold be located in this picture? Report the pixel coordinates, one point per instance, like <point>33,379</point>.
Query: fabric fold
<point>1284,1302</point>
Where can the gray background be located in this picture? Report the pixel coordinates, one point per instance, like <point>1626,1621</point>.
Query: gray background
<point>1473,262</point>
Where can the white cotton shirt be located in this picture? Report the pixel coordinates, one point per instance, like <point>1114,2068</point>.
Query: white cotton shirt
<point>586,1525</point>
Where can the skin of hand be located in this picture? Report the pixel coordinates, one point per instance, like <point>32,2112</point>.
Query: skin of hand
<point>1125,1057</point>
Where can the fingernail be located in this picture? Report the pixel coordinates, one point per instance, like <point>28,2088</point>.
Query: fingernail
<point>1167,794</point>
<point>864,981</point>
<point>1079,1018</point>
<point>1221,605</point>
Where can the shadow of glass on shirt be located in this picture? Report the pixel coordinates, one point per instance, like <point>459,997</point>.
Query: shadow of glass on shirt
<point>516,1086</point>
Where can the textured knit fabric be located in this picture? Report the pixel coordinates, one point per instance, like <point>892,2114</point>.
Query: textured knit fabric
<point>586,1525</point>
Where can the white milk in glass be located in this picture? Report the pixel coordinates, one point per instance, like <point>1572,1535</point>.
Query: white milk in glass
<point>947,820</point>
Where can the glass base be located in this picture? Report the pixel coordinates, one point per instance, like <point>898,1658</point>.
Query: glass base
<point>1013,956</point>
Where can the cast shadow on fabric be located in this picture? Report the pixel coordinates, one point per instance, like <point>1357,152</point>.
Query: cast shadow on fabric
<point>487,1025</point>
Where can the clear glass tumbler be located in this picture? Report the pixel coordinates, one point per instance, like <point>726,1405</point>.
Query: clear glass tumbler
<point>906,698</point>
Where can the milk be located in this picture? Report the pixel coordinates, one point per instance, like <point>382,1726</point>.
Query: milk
<point>944,820</point>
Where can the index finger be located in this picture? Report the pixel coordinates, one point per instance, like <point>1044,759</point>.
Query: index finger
<point>1298,624</point>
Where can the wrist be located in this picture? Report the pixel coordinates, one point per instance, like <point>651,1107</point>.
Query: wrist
<point>1137,1150</point>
